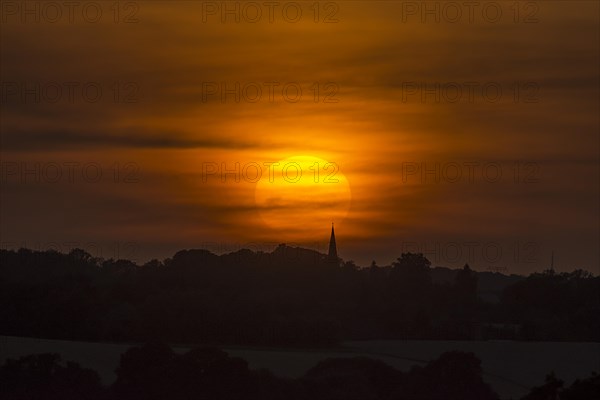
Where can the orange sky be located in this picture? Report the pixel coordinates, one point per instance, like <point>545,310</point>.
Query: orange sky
<point>378,118</point>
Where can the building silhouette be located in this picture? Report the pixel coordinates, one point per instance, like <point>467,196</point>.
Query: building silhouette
<point>332,255</point>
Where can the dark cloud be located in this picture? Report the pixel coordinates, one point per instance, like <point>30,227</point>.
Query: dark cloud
<point>71,140</point>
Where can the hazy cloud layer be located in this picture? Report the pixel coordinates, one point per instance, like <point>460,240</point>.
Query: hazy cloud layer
<point>382,94</point>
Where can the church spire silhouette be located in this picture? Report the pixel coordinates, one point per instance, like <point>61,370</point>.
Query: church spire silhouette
<point>332,255</point>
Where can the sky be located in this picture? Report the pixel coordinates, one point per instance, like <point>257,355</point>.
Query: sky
<point>467,131</point>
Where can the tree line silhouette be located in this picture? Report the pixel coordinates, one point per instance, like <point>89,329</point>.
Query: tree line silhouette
<point>288,297</point>
<point>155,372</point>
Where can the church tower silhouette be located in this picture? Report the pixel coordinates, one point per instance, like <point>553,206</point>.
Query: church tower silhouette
<point>332,255</point>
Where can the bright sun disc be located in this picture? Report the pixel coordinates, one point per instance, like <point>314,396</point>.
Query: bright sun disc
<point>303,195</point>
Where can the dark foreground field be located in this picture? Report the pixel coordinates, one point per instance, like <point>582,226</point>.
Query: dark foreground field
<point>511,368</point>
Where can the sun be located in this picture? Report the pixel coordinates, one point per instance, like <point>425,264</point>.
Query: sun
<point>303,194</point>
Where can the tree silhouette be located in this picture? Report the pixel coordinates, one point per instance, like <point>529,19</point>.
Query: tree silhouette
<point>154,371</point>
<point>550,390</point>
<point>453,376</point>
<point>289,297</point>
<point>43,376</point>
<point>465,293</point>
